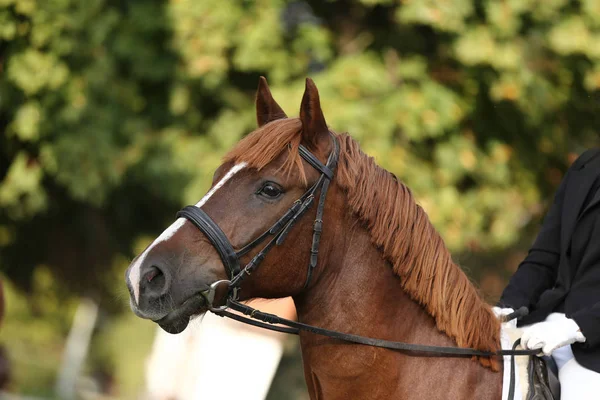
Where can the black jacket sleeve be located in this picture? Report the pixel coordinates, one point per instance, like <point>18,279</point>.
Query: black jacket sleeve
<point>588,320</point>
<point>539,270</point>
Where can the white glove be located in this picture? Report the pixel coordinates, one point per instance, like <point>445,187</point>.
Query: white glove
<point>550,335</point>
<point>501,312</point>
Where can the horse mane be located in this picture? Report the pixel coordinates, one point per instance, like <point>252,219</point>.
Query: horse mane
<point>399,227</point>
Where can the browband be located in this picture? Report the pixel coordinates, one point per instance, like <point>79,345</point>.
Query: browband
<point>314,161</point>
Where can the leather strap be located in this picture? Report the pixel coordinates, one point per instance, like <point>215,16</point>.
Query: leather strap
<point>274,230</point>
<point>216,236</point>
<point>278,231</point>
<point>386,344</point>
<point>511,387</point>
<point>318,224</point>
<point>314,161</point>
<point>258,324</point>
<point>268,321</point>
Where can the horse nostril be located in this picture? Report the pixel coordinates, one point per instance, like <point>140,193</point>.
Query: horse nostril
<point>153,273</point>
<point>155,280</point>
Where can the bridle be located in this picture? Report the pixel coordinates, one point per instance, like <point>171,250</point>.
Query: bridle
<point>278,232</point>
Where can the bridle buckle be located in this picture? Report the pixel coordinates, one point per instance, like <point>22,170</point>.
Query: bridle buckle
<point>209,295</point>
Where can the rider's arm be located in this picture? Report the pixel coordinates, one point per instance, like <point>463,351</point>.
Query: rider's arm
<point>539,270</point>
<point>588,320</point>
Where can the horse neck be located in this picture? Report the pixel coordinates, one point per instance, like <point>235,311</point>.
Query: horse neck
<point>356,291</point>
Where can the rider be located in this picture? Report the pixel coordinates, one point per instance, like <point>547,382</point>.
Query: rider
<point>559,281</point>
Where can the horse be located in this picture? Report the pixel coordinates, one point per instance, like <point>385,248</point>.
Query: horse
<point>366,262</point>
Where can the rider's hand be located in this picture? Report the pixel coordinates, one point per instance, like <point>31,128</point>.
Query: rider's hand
<point>550,335</point>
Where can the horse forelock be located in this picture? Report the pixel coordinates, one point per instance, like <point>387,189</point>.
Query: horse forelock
<point>266,143</point>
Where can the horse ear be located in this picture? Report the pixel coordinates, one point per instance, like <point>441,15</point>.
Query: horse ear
<point>267,109</point>
<point>313,121</point>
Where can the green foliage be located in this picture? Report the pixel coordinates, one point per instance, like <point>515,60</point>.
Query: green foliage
<point>33,334</point>
<point>114,114</point>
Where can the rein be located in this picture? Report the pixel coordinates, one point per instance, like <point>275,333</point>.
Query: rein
<point>278,232</point>
<point>294,327</point>
<point>271,321</point>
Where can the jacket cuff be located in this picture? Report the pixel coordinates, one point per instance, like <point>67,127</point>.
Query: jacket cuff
<point>513,303</point>
<point>588,324</point>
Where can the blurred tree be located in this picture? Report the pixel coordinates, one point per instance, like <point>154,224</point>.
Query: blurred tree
<point>115,113</point>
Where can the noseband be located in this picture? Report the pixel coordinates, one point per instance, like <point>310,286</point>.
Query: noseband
<point>278,231</point>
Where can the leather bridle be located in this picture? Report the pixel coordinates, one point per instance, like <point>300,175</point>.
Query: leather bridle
<point>278,232</point>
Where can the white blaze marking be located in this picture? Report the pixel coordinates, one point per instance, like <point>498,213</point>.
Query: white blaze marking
<point>134,272</point>
<point>236,168</point>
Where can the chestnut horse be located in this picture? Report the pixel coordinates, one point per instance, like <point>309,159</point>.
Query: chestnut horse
<point>383,271</point>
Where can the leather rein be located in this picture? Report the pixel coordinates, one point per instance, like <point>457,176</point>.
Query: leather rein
<point>278,232</point>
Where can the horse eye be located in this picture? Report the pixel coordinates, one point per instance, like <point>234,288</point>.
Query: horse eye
<point>270,190</point>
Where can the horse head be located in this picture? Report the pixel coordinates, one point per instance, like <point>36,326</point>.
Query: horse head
<point>265,207</point>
